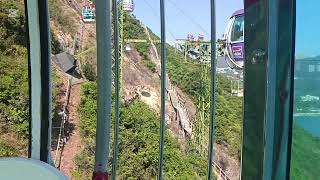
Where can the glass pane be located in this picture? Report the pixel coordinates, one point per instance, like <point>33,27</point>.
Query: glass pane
<point>306,129</point>
<point>13,80</point>
<point>74,57</point>
<point>238,29</point>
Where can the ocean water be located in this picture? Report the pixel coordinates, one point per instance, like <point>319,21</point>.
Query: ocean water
<point>309,123</point>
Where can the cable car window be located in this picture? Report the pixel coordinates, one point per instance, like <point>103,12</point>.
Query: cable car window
<point>305,156</point>
<point>238,29</point>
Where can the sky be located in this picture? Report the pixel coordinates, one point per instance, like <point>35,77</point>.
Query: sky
<point>186,16</point>
<point>307,29</point>
<point>193,16</point>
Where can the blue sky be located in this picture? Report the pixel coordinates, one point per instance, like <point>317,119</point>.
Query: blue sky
<point>186,16</point>
<point>307,29</point>
<point>179,24</point>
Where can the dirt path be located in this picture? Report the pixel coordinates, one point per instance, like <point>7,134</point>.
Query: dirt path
<point>73,145</point>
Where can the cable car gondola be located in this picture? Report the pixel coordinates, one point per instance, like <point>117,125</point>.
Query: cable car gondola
<point>234,40</point>
<point>88,13</point>
<point>128,6</point>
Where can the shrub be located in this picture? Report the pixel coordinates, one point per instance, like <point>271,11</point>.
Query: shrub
<point>89,71</point>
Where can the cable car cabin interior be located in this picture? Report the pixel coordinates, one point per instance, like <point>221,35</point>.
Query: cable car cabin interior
<point>273,144</point>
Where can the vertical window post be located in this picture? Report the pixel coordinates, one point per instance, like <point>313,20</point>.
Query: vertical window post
<point>268,92</point>
<point>213,89</point>
<point>104,63</point>
<point>163,88</point>
<point>39,79</point>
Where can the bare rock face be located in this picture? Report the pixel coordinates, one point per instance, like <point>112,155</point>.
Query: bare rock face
<point>140,81</point>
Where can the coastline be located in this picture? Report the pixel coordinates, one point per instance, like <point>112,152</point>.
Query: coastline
<point>306,114</point>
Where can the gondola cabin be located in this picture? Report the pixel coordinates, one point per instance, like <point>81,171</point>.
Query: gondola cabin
<point>234,40</point>
<point>128,6</point>
<point>89,13</point>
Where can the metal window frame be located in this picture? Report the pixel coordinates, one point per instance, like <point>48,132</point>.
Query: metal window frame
<point>268,93</point>
<point>212,89</point>
<point>104,69</point>
<point>163,89</point>
<point>39,70</point>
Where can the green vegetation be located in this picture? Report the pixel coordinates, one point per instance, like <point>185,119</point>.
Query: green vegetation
<point>139,127</point>
<point>13,103</point>
<point>186,74</point>
<point>7,150</point>
<point>11,28</point>
<point>150,65</point>
<point>61,16</point>
<point>14,99</point>
<point>143,50</point>
<point>305,155</point>
<point>139,141</point>
<point>89,71</point>
<point>14,92</point>
<point>133,30</point>
<point>13,78</point>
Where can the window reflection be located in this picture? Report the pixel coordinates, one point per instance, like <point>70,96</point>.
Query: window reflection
<point>238,29</point>
<point>305,162</point>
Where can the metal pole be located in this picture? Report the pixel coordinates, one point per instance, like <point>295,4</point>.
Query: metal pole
<point>163,88</point>
<point>29,77</point>
<point>104,63</point>
<point>40,80</point>
<point>117,88</point>
<point>213,89</point>
<point>121,44</point>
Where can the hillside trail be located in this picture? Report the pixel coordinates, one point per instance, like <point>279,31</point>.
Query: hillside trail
<point>70,143</point>
<point>73,144</point>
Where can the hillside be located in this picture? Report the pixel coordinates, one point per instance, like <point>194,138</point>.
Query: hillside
<point>140,77</point>
<point>305,161</point>
<point>14,98</point>
<point>185,75</point>
<point>139,140</point>
<point>62,35</point>
<point>139,130</point>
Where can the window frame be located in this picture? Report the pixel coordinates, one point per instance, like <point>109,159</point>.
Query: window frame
<point>268,107</point>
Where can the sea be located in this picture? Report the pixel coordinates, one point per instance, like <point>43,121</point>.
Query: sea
<point>309,123</point>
